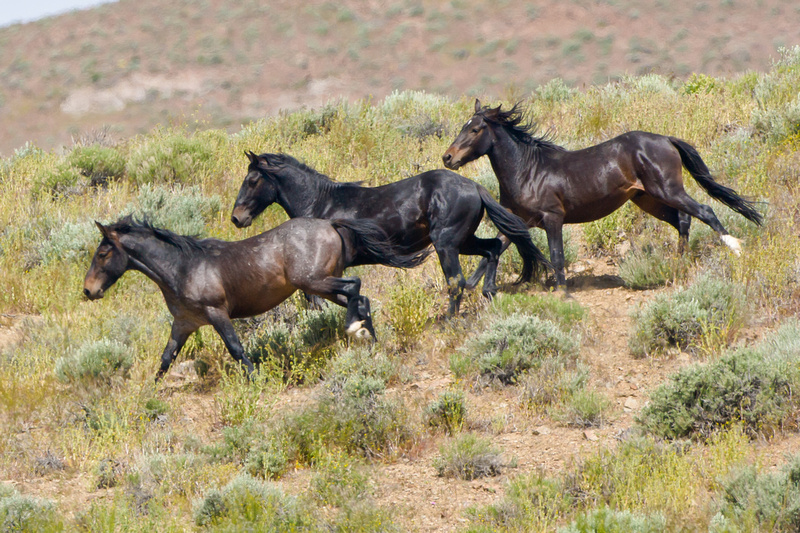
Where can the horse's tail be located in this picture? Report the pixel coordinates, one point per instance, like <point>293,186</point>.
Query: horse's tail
<point>517,232</point>
<point>699,171</point>
<point>369,244</point>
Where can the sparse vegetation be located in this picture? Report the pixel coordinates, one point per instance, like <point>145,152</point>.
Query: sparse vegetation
<point>703,317</point>
<point>469,456</point>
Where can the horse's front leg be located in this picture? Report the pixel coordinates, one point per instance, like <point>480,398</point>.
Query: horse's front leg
<point>451,266</point>
<point>555,240</point>
<point>224,327</point>
<point>177,338</point>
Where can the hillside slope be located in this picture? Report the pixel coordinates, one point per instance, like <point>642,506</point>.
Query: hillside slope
<point>137,63</point>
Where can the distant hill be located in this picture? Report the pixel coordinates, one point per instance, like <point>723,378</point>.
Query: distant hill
<point>134,64</point>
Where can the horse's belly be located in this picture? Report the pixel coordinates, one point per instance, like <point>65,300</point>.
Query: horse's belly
<point>591,211</point>
<point>255,302</point>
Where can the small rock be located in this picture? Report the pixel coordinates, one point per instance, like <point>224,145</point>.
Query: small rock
<point>541,430</point>
<point>590,435</point>
<point>631,404</point>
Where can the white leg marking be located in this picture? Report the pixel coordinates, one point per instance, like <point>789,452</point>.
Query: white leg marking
<point>733,243</point>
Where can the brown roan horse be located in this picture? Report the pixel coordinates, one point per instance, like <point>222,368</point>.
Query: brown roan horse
<point>209,282</point>
<point>549,186</point>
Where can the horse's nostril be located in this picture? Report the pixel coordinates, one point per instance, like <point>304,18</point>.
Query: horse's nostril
<point>235,220</point>
<point>86,292</point>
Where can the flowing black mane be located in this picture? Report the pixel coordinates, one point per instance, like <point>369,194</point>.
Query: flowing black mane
<point>518,127</point>
<point>185,243</point>
<point>287,161</point>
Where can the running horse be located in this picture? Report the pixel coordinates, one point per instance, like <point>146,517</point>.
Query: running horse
<point>210,282</point>
<point>437,207</point>
<point>549,186</point>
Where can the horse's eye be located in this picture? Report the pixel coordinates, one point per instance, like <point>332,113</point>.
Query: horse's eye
<point>102,254</point>
<point>475,130</point>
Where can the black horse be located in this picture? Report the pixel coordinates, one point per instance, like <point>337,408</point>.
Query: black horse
<point>438,207</point>
<point>549,186</point>
<point>211,281</point>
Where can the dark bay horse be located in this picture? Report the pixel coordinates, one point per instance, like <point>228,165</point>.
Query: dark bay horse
<point>549,186</point>
<point>211,281</point>
<point>438,207</point>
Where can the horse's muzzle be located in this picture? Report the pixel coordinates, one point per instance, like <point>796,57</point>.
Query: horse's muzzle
<point>240,220</point>
<point>450,162</point>
<point>93,295</point>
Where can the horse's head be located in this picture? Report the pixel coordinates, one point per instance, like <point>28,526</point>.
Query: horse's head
<point>474,140</point>
<point>110,261</point>
<point>258,191</point>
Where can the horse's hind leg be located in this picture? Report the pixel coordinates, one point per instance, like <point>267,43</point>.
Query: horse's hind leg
<point>678,219</point>
<point>359,319</point>
<point>473,280</point>
<point>682,201</point>
<point>346,292</point>
<point>490,249</point>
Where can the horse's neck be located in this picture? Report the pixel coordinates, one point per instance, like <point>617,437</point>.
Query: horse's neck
<point>512,163</point>
<point>155,259</point>
<point>298,196</point>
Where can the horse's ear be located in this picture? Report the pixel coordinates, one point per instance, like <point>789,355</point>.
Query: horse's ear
<point>478,105</point>
<point>108,233</point>
<point>252,157</point>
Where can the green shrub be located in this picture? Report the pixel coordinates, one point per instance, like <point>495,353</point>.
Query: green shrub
<point>531,503</point>
<point>71,242</point>
<point>23,513</point>
<point>447,412</point>
<point>554,91</point>
<point>585,408</point>
<point>172,157</point>
<point>297,349</point>
<point>700,84</point>
<point>98,163</point>
<point>339,480</point>
<point>238,399</point>
<point>518,343</point>
<point>567,313</point>
<point>350,413</point>
<point>468,456</point>
<point>639,475</point>
<point>184,210</point>
<point>555,381</point>
<point>408,309</point>
<point>611,521</point>
<point>95,361</point>
<point>61,181</point>
<point>650,268</point>
<point>754,386</point>
<point>364,516</point>
<point>247,503</point>
<point>267,458</point>
<point>753,501</point>
<point>702,317</point>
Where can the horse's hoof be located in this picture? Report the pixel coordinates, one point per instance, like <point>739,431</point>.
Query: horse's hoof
<point>358,331</point>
